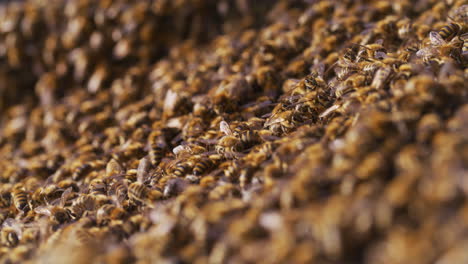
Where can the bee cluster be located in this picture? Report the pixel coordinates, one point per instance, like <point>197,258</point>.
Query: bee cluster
<point>195,131</point>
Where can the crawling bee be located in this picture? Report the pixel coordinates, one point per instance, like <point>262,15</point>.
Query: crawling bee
<point>381,77</point>
<point>109,212</point>
<point>140,193</point>
<point>437,47</point>
<point>81,171</point>
<point>81,205</point>
<point>10,234</point>
<point>174,187</point>
<point>97,186</point>
<point>231,171</point>
<point>20,198</point>
<point>228,146</point>
<point>156,153</point>
<point>182,168</point>
<point>5,199</point>
<point>205,164</point>
<point>223,191</point>
<point>248,139</point>
<point>464,38</point>
<point>119,188</point>
<point>56,213</point>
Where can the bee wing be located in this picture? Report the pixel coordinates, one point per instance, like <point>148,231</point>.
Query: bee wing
<point>273,121</point>
<point>113,167</point>
<point>43,210</point>
<point>436,39</point>
<point>143,169</point>
<point>424,52</point>
<point>330,110</point>
<point>65,195</point>
<point>118,201</point>
<point>224,127</point>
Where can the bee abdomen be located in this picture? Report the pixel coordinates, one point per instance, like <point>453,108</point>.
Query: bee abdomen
<point>449,31</point>
<point>81,171</point>
<point>202,166</point>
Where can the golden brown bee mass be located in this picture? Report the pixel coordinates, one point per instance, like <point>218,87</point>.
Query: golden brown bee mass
<point>267,131</point>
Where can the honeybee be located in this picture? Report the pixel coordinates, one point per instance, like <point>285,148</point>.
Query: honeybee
<point>156,153</point>
<point>113,168</point>
<point>381,77</point>
<point>404,28</point>
<point>20,198</point>
<point>427,127</point>
<point>228,146</point>
<point>56,213</point>
<point>119,188</point>
<point>81,171</point>
<point>174,187</point>
<point>97,79</point>
<point>109,212</point>
<point>5,199</point>
<point>245,177</point>
<point>139,192</point>
<point>11,233</point>
<point>205,164</point>
<point>464,38</point>
<point>224,191</point>
<point>81,205</point>
<point>97,186</point>
<point>248,139</point>
<point>436,47</point>
<point>181,168</point>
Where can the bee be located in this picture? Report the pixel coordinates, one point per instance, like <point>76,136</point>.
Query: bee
<point>248,139</point>
<point>181,169</point>
<point>97,79</point>
<point>84,237</point>
<point>283,122</point>
<point>232,169</point>
<point>464,38</point>
<point>404,28</point>
<point>245,177</point>
<point>203,165</point>
<point>140,193</point>
<point>427,127</point>
<point>144,167</point>
<point>57,214</point>
<point>11,233</point>
<point>97,186</point>
<point>449,31</point>
<point>381,77</point>
<point>81,171</point>
<point>223,191</point>
<point>20,198</point>
<point>119,188</point>
<point>156,153</point>
<point>5,199</point>
<point>113,168</point>
<point>228,146</point>
<point>81,205</point>
<point>174,187</point>
<point>136,120</point>
<point>436,48</point>
<point>132,149</point>
<point>109,212</point>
